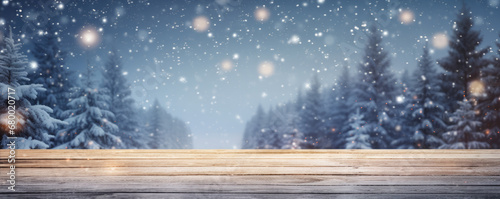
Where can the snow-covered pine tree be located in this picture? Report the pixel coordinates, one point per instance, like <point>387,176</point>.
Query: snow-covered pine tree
<point>181,135</point>
<point>155,126</point>
<point>276,120</point>
<point>331,124</point>
<point>465,133</point>
<point>338,108</point>
<point>403,131</point>
<point>311,117</point>
<point>271,138</point>
<point>375,91</point>
<point>33,122</point>
<point>464,60</point>
<point>292,138</point>
<point>51,72</point>
<point>253,129</point>
<point>89,120</point>
<point>166,132</point>
<point>489,104</point>
<point>426,106</point>
<point>344,106</point>
<point>299,101</point>
<point>359,135</point>
<point>120,102</point>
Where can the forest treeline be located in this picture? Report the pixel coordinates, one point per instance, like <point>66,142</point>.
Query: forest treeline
<point>51,107</point>
<point>454,107</point>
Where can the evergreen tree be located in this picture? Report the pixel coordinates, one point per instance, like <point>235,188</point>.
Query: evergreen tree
<point>90,121</point>
<point>464,60</point>
<point>403,131</point>
<point>331,123</point>
<point>311,117</point>
<point>253,130</point>
<point>167,132</point>
<point>464,133</point>
<point>489,104</point>
<point>375,91</point>
<point>181,137</point>
<point>33,123</point>
<point>155,126</point>
<point>338,110</point>
<point>51,72</point>
<point>275,121</point>
<point>359,135</point>
<point>120,103</point>
<point>292,138</point>
<point>426,109</point>
<point>299,102</point>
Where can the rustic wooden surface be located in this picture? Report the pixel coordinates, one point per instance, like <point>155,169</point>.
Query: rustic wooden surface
<point>253,174</point>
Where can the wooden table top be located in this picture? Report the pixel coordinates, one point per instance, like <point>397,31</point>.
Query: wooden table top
<point>253,174</point>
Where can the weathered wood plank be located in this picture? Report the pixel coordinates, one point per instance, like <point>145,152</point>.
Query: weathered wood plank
<point>255,173</point>
<point>239,196</point>
<point>302,180</point>
<point>170,171</point>
<point>253,162</point>
<point>248,189</point>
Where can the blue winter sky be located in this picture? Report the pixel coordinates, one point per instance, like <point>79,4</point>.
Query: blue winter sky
<point>208,75</point>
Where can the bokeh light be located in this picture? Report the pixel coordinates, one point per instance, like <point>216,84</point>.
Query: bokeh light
<point>406,17</point>
<point>227,65</point>
<point>476,88</point>
<point>201,24</point>
<point>262,14</point>
<point>33,64</point>
<point>266,69</point>
<point>440,40</point>
<point>89,37</point>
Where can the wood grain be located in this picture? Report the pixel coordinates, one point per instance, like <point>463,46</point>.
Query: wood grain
<point>254,173</point>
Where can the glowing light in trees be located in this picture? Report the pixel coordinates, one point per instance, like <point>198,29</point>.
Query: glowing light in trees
<point>476,88</point>
<point>440,40</point>
<point>89,37</point>
<point>33,64</point>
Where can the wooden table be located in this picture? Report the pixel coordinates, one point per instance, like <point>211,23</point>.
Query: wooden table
<point>253,173</point>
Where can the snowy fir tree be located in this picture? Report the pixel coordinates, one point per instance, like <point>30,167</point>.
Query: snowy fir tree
<point>402,136</point>
<point>276,120</point>
<point>166,132</point>
<point>89,120</point>
<point>426,108</point>
<point>359,135</point>
<point>155,126</point>
<point>464,132</point>
<point>291,138</point>
<point>330,124</point>
<point>51,72</point>
<point>375,90</point>
<point>252,137</point>
<point>464,60</point>
<point>312,117</point>
<point>179,134</point>
<point>33,123</point>
<point>337,111</point>
<point>489,104</point>
<point>299,101</point>
<point>120,103</point>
